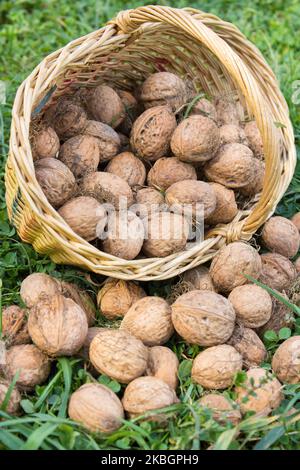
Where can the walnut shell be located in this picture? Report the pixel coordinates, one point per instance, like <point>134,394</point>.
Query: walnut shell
<point>281,317</point>
<point>297,264</point>
<point>296,220</point>
<point>205,108</point>
<point>38,285</point>
<point>56,180</point>
<point>84,352</point>
<point>117,296</point>
<point>80,154</point>
<point>226,207</point>
<point>14,326</point>
<point>167,233</point>
<point>198,278</point>
<point>146,394</point>
<point>193,197</point>
<point>251,315</point>
<point>133,110</point>
<point>118,354</point>
<point>68,119</point>
<point>257,183</point>
<point>231,263</point>
<point>149,319</point>
<point>280,235</point>
<point>81,298</point>
<point>128,167</point>
<point>13,405</point>
<point>249,345</point>
<point>286,361</point>
<point>85,216</point>
<point>33,366</point>
<point>261,393</point>
<point>124,236</point>
<point>148,200</point>
<point>227,111</point>
<point>254,138</point>
<point>203,317</point>
<point>231,133</point>
<point>215,367</point>
<point>58,326</point>
<point>163,88</point>
<point>163,364</point>
<point>151,133</point>
<point>196,139</point>
<point>96,407</point>
<point>108,188</point>
<point>277,271</point>
<point>106,106</point>
<point>108,140</point>
<point>46,143</point>
<point>232,166</point>
<point>223,410</point>
<point>169,170</point>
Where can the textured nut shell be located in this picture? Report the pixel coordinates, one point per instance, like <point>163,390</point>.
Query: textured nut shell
<point>286,361</point>
<point>281,317</point>
<point>251,314</point>
<point>81,298</point>
<point>80,154</point>
<point>33,366</point>
<point>96,407</point>
<point>85,350</point>
<point>128,167</point>
<point>13,405</point>
<point>167,233</point>
<point>280,235</point>
<point>133,110</point>
<point>46,143</point>
<point>58,326</point>
<point>149,319</point>
<point>151,133</point>
<point>69,119</point>
<point>163,88</point>
<point>117,296</point>
<point>118,354</point>
<point>85,215</point>
<point>297,264</point>
<point>203,317</point>
<point>249,345</point>
<point>227,111</point>
<point>231,133</point>
<point>215,367</point>
<point>196,139</point>
<point>277,272</point>
<point>296,220</point>
<point>108,140</point>
<point>163,364</point>
<point>14,326</point>
<point>56,180</point>
<point>124,236</point>
<point>198,278</point>
<point>256,184</point>
<point>232,166</point>
<point>222,409</point>
<point>106,106</point>
<point>37,285</point>
<point>146,394</point>
<point>254,138</point>
<point>192,193</point>
<point>260,393</point>
<point>148,200</point>
<point>226,207</point>
<point>231,263</point>
<point>109,188</point>
<point>169,170</point>
<point>205,108</point>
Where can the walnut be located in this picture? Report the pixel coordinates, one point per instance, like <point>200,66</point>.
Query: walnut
<point>198,278</point>
<point>227,111</point>
<point>226,207</point>
<point>14,325</point>
<point>80,154</point>
<point>108,141</point>
<point>169,170</point>
<point>296,220</point>
<point>281,317</point>
<point>193,197</point>
<point>280,235</point>
<point>254,138</point>
<point>148,200</point>
<point>128,167</point>
<point>133,109</point>
<point>106,106</point>
<point>257,183</point>
<point>38,285</point>
<point>46,143</point>
<point>285,363</point>
<point>68,118</point>
<point>205,108</point>
<point>251,315</point>
<point>231,133</point>
<point>13,405</point>
<point>163,364</point>
<point>223,410</point>
<point>163,88</point>
<point>277,271</point>
<point>82,298</point>
<point>248,344</point>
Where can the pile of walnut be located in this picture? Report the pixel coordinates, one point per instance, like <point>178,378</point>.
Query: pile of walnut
<point>215,307</point>
<point>106,146</point>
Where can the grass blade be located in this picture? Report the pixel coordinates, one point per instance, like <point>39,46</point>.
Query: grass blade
<point>67,373</point>
<point>36,439</point>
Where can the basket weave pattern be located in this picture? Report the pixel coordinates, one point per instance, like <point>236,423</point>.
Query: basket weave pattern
<point>198,47</point>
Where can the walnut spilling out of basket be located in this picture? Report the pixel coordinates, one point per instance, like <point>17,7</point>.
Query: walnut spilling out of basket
<point>122,168</point>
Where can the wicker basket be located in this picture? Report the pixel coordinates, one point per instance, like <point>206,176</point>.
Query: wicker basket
<point>195,45</point>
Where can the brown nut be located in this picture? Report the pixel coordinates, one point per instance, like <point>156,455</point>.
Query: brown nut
<point>251,314</point>
<point>227,111</point>
<point>297,264</point>
<point>148,200</point>
<point>117,296</point>
<point>14,326</point>
<point>163,88</point>
<point>13,405</point>
<point>203,317</point>
<point>296,220</point>
<point>257,183</point>
<point>261,393</point>
<point>108,140</point>
<point>132,108</point>
<point>194,197</point>
<point>254,138</point>
<point>82,298</point>
<point>205,108</point>
<point>231,263</point>
<point>84,352</point>
<point>80,154</point>
<point>33,366</point>
<point>223,409</point>
<point>149,319</point>
<point>128,167</point>
<point>38,285</point>
<point>46,143</point>
<point>97,408</point>
<point>277,271</point>
<point>281,317</point>
<point>118,354</point>
<point>85,216</point>
<point>215,367</point>
<point>198,278</point>
<point>163,364</point>
<point>249,345</point>
<point>280,235</point>
<point>196,139</point>
<point>169,170</point>
<point>151,133</point>
<point>56,180</point>
<point>286,363</point>
<point>106,106</point>
<point>57,326</point>
<point>231,133</point>
<point>68,119</point>
<point>226,207</point>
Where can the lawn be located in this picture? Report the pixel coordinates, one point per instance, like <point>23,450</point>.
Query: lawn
<point>31,29</point>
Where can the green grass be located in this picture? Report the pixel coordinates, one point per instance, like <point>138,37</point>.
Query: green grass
<point>30,29</point>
